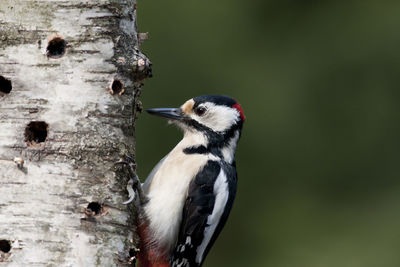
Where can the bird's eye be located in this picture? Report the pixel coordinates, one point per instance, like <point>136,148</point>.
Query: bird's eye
<point>200,111</point>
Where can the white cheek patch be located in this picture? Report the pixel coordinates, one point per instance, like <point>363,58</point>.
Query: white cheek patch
<point>218,118</point>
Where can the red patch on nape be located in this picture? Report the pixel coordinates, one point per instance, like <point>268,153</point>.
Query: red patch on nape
<point>239,108</point>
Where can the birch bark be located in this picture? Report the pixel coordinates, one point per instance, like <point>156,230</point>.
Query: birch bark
<point>70,77</point>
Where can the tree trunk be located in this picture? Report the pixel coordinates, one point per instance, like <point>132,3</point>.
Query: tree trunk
<point>70,76</point>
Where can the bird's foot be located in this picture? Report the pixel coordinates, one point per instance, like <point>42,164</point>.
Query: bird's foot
<point>134,184</point>
<point>131,192</point>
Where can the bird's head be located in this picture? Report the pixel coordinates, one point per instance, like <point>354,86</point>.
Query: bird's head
<point>218,118</point>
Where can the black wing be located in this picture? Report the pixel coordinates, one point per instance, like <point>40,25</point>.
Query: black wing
<point>209,201</point>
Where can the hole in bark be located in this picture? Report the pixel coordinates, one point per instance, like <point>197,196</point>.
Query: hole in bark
<point>5,85</point>
<point>56,47</point>
<point>36,132</point>
<point>94,207</point>
<point>5,246</point>
<point>117,87</point>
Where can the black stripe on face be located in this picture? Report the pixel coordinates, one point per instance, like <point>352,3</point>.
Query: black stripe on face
<point>216,140</point>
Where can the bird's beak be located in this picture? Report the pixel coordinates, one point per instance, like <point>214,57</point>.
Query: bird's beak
<point>170,113</point>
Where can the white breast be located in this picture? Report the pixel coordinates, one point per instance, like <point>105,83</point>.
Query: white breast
<point>167,191</point>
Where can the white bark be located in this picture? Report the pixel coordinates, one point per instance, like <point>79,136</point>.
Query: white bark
<point>43,204</point>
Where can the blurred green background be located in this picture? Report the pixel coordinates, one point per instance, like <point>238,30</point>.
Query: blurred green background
<point>319,157</point>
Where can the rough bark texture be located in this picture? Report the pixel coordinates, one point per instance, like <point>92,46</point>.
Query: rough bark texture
<point>43,205</point>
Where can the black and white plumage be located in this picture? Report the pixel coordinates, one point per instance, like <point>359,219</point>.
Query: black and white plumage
<point>191,190</point>
<point>208,203</point>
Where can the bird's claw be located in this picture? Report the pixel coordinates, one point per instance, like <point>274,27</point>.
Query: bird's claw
<point>129,158</point>
<point>133,184</point>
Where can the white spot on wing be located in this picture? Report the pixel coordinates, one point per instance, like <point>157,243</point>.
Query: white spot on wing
<point>221,192</point>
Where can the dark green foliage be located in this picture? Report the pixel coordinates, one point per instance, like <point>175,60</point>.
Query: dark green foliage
<point>318,161</point>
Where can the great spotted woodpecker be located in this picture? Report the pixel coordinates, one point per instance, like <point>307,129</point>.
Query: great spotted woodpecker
<point>188,196</point>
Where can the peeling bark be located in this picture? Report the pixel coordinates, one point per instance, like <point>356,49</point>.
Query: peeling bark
<point>64,160</point>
